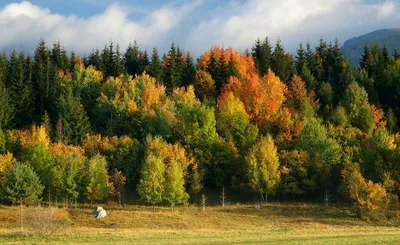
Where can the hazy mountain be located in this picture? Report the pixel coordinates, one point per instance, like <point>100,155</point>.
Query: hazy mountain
<point>353,47</point>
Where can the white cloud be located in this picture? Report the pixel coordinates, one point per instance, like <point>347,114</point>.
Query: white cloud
<point>293,21</point>
<point>230,23</point>
<point>386,9</point>
<point>23,24</point>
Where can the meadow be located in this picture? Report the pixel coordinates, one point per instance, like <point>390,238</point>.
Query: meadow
<point>273,223</point>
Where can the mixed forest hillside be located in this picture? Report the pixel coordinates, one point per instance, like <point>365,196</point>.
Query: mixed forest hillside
<point>354,47</point>
<point>169,128</point>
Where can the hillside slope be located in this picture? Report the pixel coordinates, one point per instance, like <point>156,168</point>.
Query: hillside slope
<point>353,47</point>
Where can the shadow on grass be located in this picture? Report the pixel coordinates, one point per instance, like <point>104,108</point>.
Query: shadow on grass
<point>308,213</point>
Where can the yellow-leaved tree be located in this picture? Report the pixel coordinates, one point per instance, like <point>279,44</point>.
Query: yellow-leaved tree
<point>263,166</point>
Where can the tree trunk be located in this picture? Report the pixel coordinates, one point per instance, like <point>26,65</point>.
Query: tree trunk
<point>49,199</point>
<point>262,197</point>
<point>91,203</point>
<point>266,193</point>
<point>20,214</point>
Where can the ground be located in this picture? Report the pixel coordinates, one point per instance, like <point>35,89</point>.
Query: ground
<point>237,224</point>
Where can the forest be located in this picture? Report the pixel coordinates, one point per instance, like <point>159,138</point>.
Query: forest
<point>170,127</point>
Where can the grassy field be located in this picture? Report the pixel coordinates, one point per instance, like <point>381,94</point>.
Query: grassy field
<point>272,224</point>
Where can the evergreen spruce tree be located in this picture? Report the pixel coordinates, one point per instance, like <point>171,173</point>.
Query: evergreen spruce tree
<point>118,65</point>
<point>105,54</point>
<point>20,89</point>
<point>155,68</point>
<point>257,54</point>
<point>94,59</point>
<point>188,70</point>
<point>396,54</point>
<point>261,53</point>
<point>222,73</point>
<point>364,62</point>
<point>385,55</point>
<point>110,61</point>
<point>231,69</point>
<point>301,60</point>
<point>144,62</point>
<point>131,57</point>
<point>43,87</point>
<point>59,58</point>
<point>6,109</point>
<point>74,119</point>
<point>281,63</point>
<point>173,66</point>
<point>3,69</point>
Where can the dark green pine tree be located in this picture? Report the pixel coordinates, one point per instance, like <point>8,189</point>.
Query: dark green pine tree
<point>144,62</point>
<point>231,69</point>
<point>75,122</point>
<point>218,69</point>
<point>59,62</point>
<point>301,60</point>
<point>256,52</point>
<point>131,57</point>
<point>281,63</point>
<point>20,89</point>
<point>346,77</point>
<point>155,68</point>
<point>261,53</point>
<point>73,61</point>
<point>222,73</point>
<point>119,64</point>
<point>94,59</point>
<point>333,64</point>
<point>110,61</point>
<point>318,68</point>
<point>14,74</point>
<point>5,108</point>
<point>173,66</point>
<point>189,70</point>
<point>310,59</point>
<point>364,60</point>
<point>28,103</point>
<point>104,61</point>
<point>385,55</point>
<point>3,69</point>
<point>42,86</point>
<point>396,54</point>
<point>59,58</point>
<point>212,65</point>
<point>308,78</point>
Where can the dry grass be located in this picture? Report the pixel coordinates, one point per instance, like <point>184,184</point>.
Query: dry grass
<point>288,224</point>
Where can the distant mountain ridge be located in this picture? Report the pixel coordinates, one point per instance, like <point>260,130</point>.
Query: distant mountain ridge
<point>353,47</point>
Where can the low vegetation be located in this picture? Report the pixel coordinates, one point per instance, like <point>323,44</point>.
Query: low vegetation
<point>273,223</point>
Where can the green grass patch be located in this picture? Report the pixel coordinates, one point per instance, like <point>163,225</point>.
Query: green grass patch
<point>272,224</point>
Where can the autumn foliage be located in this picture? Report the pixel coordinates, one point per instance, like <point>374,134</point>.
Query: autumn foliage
<point>262,97</point>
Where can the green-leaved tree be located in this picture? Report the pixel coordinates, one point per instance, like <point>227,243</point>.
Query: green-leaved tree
<point>23,185</point>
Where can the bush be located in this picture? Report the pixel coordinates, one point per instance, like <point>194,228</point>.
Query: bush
<point>370,199</point>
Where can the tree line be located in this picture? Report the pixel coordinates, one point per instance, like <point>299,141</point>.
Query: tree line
<point>262,121</point>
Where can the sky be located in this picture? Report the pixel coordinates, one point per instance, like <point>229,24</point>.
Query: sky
<point>195,25</point>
